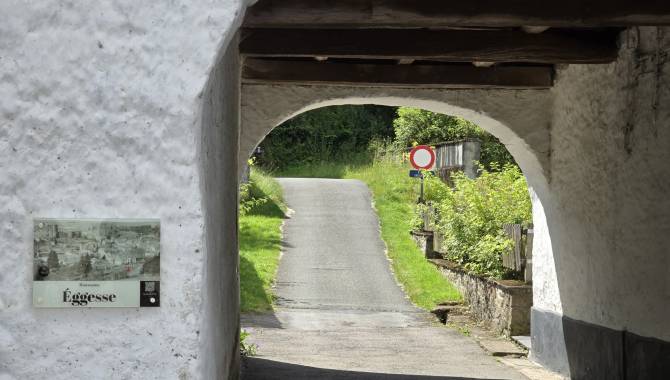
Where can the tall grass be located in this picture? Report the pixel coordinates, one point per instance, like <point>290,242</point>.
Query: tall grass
<point>260,242</point>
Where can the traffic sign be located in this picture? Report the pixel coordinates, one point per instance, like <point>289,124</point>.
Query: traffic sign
<point>418,173</point>
<point>422,157</point>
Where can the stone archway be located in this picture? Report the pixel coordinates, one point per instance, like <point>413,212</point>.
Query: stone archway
<point>518,118</point>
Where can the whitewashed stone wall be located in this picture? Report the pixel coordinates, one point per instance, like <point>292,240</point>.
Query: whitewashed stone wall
<point>610,179</point>
<point>608,214</point>
<point>99,118</point>
<point>129,109</point>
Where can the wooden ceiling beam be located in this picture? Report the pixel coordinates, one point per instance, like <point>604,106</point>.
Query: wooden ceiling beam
<point>552,46</point>
<point>444,13</point>
<point>309,72</point>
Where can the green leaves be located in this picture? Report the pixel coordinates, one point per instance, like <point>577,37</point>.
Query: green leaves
<point>246,349</point>
<point>417,126</point>
<point>471,216</point>
<point>325,134</point>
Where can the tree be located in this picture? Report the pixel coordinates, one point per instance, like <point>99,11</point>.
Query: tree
<point>52,260</point>
<point>417,126</point>
<point>325,134</point>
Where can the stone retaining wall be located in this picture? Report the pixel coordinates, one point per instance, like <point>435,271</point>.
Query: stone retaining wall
<point>424,240</point>
<point>504,305</point>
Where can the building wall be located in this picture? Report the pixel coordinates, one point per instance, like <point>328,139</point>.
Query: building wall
<point>130,110</point>
<point>609,217</point>
<point>594,150</point>
<point>99,118</point>
<point>221,306</point>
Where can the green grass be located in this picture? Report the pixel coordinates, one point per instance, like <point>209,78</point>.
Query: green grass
<point>320,170</point>
<point>394,193</point>
<point>260,239</point>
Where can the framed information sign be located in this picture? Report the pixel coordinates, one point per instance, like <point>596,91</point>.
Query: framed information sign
<point>96,263</point>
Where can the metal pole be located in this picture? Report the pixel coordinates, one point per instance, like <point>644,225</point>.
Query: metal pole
<point>421,191</point>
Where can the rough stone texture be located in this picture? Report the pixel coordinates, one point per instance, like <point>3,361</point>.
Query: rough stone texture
<point>100,119</point>
<point>504,308</point>
<point>610,213</point>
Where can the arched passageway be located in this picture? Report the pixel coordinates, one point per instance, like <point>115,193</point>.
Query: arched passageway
<point>138,115</point>
<point>374,333</point>
<point>578,134</point>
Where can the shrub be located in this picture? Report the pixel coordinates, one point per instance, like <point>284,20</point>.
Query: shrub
<point>261,195</point>
<point>471,216</point>
<point>246,349</point>
<point>327,134</point>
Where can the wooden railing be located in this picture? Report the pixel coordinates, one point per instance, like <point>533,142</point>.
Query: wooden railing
<point>520,256</point>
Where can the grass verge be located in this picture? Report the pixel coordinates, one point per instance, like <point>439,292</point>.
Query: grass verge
<point>260,239</point>
<point>394,193</point>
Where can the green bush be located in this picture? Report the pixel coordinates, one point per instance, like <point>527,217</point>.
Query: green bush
<point>471,216</point>
<point>246,349</point>
<point>328,134</point>
<point>262,195</point>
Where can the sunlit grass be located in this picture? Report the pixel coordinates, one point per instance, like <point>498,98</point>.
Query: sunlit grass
<point>260,239</point>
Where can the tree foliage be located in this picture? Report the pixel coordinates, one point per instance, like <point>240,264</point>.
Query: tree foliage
<point>471,216</point>
<point>325,134</point>
<point>417,126</point>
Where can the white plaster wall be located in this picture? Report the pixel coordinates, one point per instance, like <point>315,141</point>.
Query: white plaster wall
<point>99,119</point>
<point>610,178</point>
<point>546,294</point>
<point>220,136</point>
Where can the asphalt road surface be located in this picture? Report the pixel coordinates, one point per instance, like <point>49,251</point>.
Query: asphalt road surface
<point>340,313</point>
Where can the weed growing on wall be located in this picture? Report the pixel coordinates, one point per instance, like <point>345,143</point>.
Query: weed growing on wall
<point>246,349</point>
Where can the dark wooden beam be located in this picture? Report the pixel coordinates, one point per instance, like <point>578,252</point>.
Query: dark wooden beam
<point>309,72</point>
<point>553,46</point>
<point>445,13</point>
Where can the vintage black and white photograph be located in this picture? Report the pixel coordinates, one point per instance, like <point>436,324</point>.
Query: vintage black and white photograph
<point>96,250</point>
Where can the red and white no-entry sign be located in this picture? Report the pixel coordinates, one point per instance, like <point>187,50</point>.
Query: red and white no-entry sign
<point>422,157</point>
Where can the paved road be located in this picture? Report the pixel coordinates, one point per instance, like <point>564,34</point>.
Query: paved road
<point>341,314</point>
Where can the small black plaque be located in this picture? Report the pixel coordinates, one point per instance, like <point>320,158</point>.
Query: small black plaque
<point>150,293</point>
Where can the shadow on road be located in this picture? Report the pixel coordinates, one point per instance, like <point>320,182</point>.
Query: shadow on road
<point>263,369</point>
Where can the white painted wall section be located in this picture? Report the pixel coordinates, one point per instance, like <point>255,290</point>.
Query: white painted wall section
<point>99,118</point>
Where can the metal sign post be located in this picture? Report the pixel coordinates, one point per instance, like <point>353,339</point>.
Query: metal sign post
<point>421,189</point>
<point>422,157</point>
